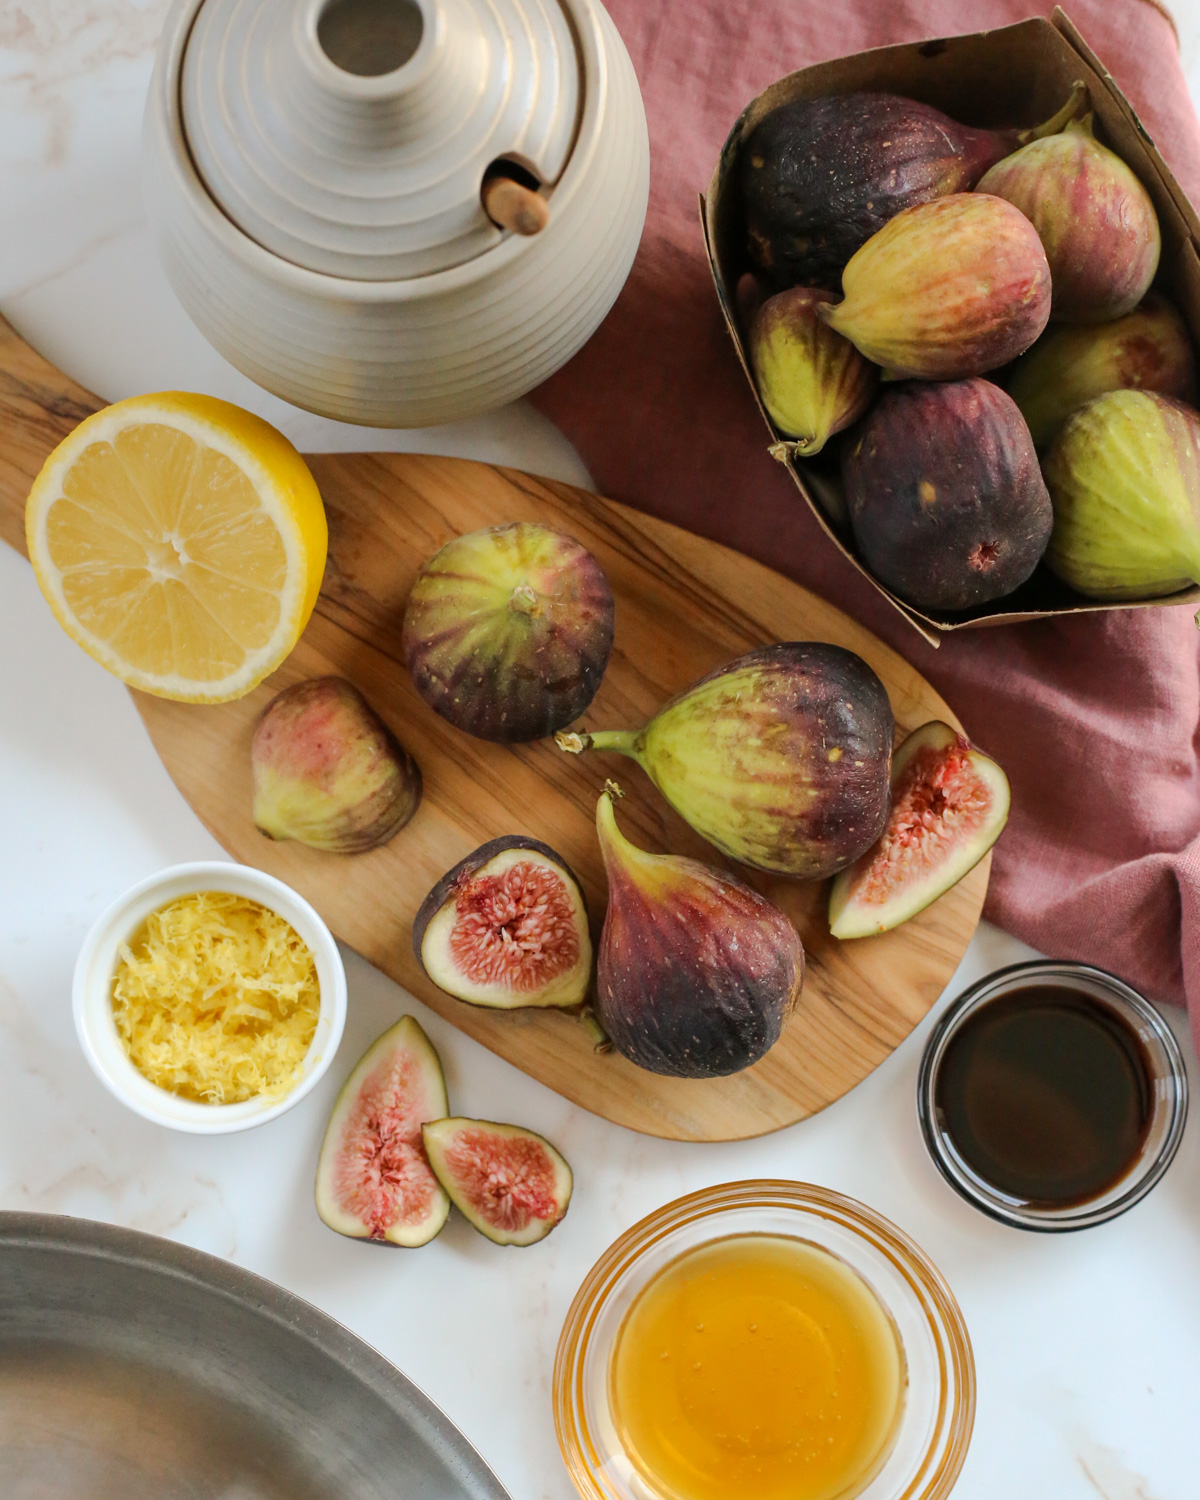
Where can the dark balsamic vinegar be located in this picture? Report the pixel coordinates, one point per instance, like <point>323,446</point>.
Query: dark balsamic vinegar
<point>1046,1094</point>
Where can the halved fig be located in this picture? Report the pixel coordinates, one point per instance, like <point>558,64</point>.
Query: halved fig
<point>374,1181</point>
<point>507,927</point>
<point>949,805</point>
<point>510,1183</point>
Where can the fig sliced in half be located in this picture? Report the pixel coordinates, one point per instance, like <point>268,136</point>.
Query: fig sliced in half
<point>373,1177</point>
<point>949,805</point>
<point>511,1184</point>
<point>507,927</point>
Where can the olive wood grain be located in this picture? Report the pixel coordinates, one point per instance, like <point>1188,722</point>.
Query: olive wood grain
<point>684,605</point>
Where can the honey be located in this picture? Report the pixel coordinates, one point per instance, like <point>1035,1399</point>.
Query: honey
<point>757,1366</point>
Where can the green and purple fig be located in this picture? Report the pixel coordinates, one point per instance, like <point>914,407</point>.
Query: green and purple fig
<point>1146,350</point>
<point>780,759</point>
<point>1095,219</point>
<point>1124,476</point>
<point>946,290</point>
<point>374,1181</point>
<point>507,927</point>
<point>508,631</point>
<point>819,177</point>
<point>697,972</point>
<point>812,381</point>
<point>947,503</point>
<point>328,772</point>
<point>949,806</point>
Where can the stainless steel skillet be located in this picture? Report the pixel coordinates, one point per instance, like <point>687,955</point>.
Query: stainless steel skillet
<point>133,1368</point>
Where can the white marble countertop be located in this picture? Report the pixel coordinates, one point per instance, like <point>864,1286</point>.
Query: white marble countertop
<point>1087,1346</point>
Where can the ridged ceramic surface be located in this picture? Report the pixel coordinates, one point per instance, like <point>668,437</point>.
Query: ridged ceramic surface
<point>422,349</point>
<point>374,177</point>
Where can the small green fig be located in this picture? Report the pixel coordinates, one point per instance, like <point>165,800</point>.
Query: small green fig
<point>1124,477</point>
<point>1148,350</point>
<point>697,972</point>
<point>780,758</point>
<point>812,381</point>
<point>1094,217</point>
<point>328,772</point>
<point>946,290</point>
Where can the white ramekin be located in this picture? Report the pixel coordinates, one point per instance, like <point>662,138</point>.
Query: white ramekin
<point>92,995</point>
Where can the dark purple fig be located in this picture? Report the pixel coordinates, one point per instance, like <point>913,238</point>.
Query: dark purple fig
<point>780,758</point>
<point>812,381</point>
<point>1146,350</point>
<point>697,972</point>
<point>1094,217</point>
<point>374,1181</point>
<point>819,177</point>
<point>949,806</point>
<point>328,772</point>
<point>507,927</point>
<point>508,631</point>
<point>946,499</point>
<point>946,290</point>
<point>511,1184</point>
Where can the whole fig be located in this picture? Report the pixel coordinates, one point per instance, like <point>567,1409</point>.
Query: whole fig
<point>780,758</point>
<point>1095,219</point>
<point>946,290</point>
<point>812,381</point>
<point>947,503</point>
<point>1148,349</point>
<point>697,972</point>
<point>508,631</point>
<point>1124,476</point>
<point>328,772</point>
<point>819,177</point>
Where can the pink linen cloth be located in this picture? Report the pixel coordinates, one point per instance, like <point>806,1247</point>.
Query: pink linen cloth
<point>1096,719</point>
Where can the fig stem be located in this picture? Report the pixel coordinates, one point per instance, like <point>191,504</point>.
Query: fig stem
<point>590,1022</point>
<point>621,741</point>
<point>1059,121</point>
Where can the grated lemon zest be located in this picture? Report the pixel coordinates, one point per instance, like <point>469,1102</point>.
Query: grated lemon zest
<point>216,999</point>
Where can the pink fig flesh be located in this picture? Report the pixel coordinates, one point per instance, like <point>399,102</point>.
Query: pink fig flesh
<point>949,806</point>
<point>507,927</point>
<point>374,1181</point>
<point>697,973</point>
<point>510,1183</point>
<point>328,772</point>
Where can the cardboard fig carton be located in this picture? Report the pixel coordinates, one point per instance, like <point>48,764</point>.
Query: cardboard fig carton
<point>1015,76</point>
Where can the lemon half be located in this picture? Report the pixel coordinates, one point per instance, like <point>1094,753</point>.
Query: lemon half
<point>181,542</point>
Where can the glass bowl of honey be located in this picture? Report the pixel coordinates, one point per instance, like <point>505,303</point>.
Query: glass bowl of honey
<point>768,1340</point>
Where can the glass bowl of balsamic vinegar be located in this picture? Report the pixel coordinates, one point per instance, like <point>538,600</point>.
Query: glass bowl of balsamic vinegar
<point>1052,1096</point>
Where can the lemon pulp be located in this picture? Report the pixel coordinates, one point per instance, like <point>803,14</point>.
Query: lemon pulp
<point>181,542</point>
<point>756,1366</point>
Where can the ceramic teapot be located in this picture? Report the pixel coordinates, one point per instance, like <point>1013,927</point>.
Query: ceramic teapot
<point>395,212</point>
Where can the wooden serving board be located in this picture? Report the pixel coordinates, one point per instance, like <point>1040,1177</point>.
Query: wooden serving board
<point>683,606</point>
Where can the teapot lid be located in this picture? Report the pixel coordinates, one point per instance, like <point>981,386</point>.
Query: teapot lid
<point>351,137</point>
